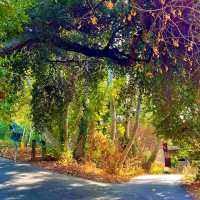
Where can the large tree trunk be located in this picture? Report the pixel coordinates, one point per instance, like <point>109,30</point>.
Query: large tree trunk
<point>114,121</point>
<point>132,139</point>
<point>80,149</point>
<point>152,158</point>
<point>83,132</point>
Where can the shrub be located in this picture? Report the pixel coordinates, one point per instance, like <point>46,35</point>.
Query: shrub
<point>66,158</point>
<point>157,168</point>
<point>102,151</point>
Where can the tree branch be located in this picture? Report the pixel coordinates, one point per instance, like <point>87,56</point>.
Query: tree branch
<point>114,54</point>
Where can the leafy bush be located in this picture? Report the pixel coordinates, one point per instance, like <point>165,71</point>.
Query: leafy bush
<point>157,168</point>
<point>66,158</point>
<point>102,151</point>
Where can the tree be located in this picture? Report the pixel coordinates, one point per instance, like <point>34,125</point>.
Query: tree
<point>132,32</point>
<point>147,41</point>
<point>52,93</point>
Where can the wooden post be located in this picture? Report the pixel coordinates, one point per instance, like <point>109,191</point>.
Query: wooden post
<point>16,151</point>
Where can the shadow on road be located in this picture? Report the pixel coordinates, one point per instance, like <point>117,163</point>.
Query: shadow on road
<point>24,182</point>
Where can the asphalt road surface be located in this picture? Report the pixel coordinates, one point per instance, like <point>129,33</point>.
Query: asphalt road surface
<point>24,182</point>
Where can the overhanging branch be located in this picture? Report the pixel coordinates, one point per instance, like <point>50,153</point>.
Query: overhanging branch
<point>114,54</point>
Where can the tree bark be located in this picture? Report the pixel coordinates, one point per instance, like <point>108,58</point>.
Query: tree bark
<point>44,150</point>
<point>114,121</point>
<point>152,157</point>
<point>128,121</point>
<point>83,132</point>
<point>80,150</point>
<point>65,129</point>
<point>33,152</point>
<point>131,141</point>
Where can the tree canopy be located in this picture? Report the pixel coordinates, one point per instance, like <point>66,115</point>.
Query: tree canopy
<point>125,32</point>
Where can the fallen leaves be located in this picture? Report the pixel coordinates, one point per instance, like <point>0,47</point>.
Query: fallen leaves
<point>194,190</point>
<point>83,170</point>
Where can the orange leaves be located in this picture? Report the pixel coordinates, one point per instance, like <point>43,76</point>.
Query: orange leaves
<point>179,12</point>
<point>162,2</point>
<point>149,75</point>
<point>156,51</point>
<point>167,17</point>
<point>93,20</point>
<point>188,60</point>
<point>175,42</point>
<point>189,47</point>
<point>129,18</point>
<point>132,14</point>
<point>145,37</point>
<point>109,5</point>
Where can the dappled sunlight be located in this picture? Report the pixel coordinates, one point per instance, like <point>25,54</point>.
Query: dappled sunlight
<point>12,173</point>
<point>76,185</point>
<point>27,179</point>
<point>163,179</point>
<point>98,183</point>
<point>22,182</point>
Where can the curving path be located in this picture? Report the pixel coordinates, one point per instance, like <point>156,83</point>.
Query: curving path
<point>24,182</point>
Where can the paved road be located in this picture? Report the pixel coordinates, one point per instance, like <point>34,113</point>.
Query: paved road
<point>24,182</point>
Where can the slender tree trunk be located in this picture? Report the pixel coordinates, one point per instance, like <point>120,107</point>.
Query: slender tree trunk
<point>44,150</point>
<point>114,121</point>
<point>132,139</point>
<point>33,152</point>
<point>128,121</point>
<point>65,129</point>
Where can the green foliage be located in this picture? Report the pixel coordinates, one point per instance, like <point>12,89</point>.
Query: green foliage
<point>13,16</point>
<point>4,130</point>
